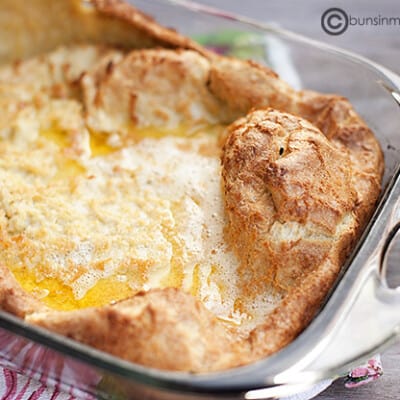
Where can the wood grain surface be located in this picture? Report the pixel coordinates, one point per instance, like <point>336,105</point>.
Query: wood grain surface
<point>379,43</point>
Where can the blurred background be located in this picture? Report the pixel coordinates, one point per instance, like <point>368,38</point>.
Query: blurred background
<point>380,43</point>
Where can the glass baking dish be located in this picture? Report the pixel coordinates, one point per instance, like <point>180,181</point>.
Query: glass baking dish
<point>361,300</point>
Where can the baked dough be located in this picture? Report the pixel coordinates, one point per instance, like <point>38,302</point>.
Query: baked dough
<point>301,173</point>
<point>288,191</point>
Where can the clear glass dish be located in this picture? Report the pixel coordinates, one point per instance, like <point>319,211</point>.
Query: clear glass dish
<point>374,92</point>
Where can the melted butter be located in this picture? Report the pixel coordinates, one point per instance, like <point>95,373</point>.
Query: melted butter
<point>124,283</point>
<point>100,142</point>
<point>196,282</point>
<point>57,136</point>
<point>59,296</point>
<point>176,273</point>
<point>67,167</point>
<point>99,145</point>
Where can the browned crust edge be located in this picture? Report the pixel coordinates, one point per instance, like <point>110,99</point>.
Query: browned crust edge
<point>166,37</point>
<point>242,85</point>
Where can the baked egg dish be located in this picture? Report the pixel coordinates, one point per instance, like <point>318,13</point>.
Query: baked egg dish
<point>93,217</point>
<point>174,207</point>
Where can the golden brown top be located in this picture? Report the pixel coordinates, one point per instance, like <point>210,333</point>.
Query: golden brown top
<point>299,178</point>
<point>288,191</point>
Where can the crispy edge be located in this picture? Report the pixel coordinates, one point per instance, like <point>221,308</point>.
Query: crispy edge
<point>249,93</point>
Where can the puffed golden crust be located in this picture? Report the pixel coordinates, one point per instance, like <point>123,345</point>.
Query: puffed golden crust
<point>162,328</point>
<point>291,207</point>
<point>301,175</point>
<point>244,85</point>
<point>119,95</point>
<point>288,191</point>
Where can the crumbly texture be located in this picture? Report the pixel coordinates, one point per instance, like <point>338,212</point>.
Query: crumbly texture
<point>300,175</point>
<point>94,212</point>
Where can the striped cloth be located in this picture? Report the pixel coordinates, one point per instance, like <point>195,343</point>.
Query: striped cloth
<point>14,386</point>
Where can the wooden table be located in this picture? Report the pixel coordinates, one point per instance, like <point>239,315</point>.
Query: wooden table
<point>379,43</point>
